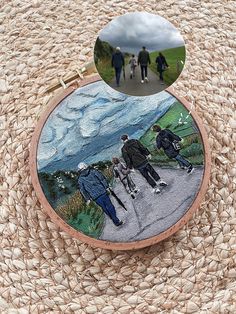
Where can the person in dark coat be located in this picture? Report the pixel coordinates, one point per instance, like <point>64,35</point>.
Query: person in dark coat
<point>93,186</point>
<point>136,156</point>
<point>117,62</point>
<point>168,141</point>
<point>161,65</point>
<point>143,61</point>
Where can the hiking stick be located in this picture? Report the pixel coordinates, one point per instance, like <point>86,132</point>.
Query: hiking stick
<point>117,198</point>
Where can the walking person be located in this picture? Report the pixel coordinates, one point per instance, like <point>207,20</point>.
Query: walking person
<point>123,174</point>
<point>143,61</point>
<point>161,66</point>
<point>94,186</point>
<point>117,62</point>
<point>167,140</point>
<point>133,64</point>
<point>136,156</point>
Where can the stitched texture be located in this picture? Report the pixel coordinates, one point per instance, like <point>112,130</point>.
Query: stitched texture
<point>44,270</point>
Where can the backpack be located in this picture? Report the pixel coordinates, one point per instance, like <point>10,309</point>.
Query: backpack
<point>175,144</point>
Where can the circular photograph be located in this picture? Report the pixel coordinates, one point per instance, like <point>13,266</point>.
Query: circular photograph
<point>139,54</point>
<point>118,171</point>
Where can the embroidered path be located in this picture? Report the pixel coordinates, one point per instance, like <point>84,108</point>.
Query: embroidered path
<point>150,214</point>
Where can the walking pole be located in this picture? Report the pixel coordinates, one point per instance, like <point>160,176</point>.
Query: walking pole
<point>124,73</point>
<point>117,198</point>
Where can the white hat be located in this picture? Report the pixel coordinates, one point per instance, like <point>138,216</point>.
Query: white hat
<point>117,48</point>
<point>82,166</point>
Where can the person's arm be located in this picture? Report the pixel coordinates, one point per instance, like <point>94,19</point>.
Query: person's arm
<point>158,142</point>
<point>126,158</point>
<point>124,169</point>
<point>156,59</point>
<point>101,178</point>
<point>166,62</point>
<point>83,191</point>
<point>143,149</point>
<point>149,60</point>
<point>138,58</point>
<point>123,59</point>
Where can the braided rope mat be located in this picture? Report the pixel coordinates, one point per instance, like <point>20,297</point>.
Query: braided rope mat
<point>43,270</point>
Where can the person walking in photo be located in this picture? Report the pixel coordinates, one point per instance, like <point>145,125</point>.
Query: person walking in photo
<point>143,61</point>
<point>117,62</point>
<point>94,186</point>
<point>133,64</point>
<point>169,141</point>
<point>136,156</point>
<point>161,66</point>
<point>123,174</point>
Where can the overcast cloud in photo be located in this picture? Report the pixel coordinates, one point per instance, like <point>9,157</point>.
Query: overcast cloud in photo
<point>133,30</point>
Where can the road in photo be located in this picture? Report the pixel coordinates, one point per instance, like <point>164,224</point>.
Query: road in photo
<point>134,85</point>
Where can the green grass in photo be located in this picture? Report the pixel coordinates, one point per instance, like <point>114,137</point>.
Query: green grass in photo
<point>172,56</point>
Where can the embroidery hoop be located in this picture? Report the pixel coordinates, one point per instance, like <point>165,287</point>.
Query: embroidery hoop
<point>102,243</point>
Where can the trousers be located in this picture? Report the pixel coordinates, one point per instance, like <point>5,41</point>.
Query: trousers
<point>149,174</point>
<point>105,203</point>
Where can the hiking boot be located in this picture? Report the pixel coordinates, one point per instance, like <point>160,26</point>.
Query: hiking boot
<point>142,81</point>
<point>146,80</point>
<point>162,183</point>
<point>190,169</point>
<point>120,223</point>
<point>156,190</point>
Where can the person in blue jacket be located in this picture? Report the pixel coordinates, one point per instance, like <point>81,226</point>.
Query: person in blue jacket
<point>94,186</point>
<point>117,62</point>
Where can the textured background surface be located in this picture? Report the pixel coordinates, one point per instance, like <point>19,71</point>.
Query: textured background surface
<point>45,271</point>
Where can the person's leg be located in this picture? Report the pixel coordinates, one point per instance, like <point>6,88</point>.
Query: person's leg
<point>145,68</point>
<point>153,172</point>
<point>142,74</point>
<point>161,75</point>
<point>182,161</point>
<point>126,185</point>
<point>131,183</point>
<point>118,76</point>
<point>107,206</point>
<point>144,172</point>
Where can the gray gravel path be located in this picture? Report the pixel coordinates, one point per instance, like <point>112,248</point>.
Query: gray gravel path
<point>135,87</point>
<point>150,214</point>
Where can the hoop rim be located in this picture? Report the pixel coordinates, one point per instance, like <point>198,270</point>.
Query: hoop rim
<point>104,243</point>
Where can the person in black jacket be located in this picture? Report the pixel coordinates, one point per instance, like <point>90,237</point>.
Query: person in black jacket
<point>144,60</point>
<point>168,141</point>
<point>136,156</point>
<point>161,66</point>
<point>117,62</point>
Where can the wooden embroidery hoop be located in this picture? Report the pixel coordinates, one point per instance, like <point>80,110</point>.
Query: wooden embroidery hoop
<point>102,243</point>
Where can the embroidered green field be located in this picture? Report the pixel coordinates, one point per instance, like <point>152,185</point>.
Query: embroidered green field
<point>185,128</point>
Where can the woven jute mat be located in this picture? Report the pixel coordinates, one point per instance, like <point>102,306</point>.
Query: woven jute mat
<point>44,270</point>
